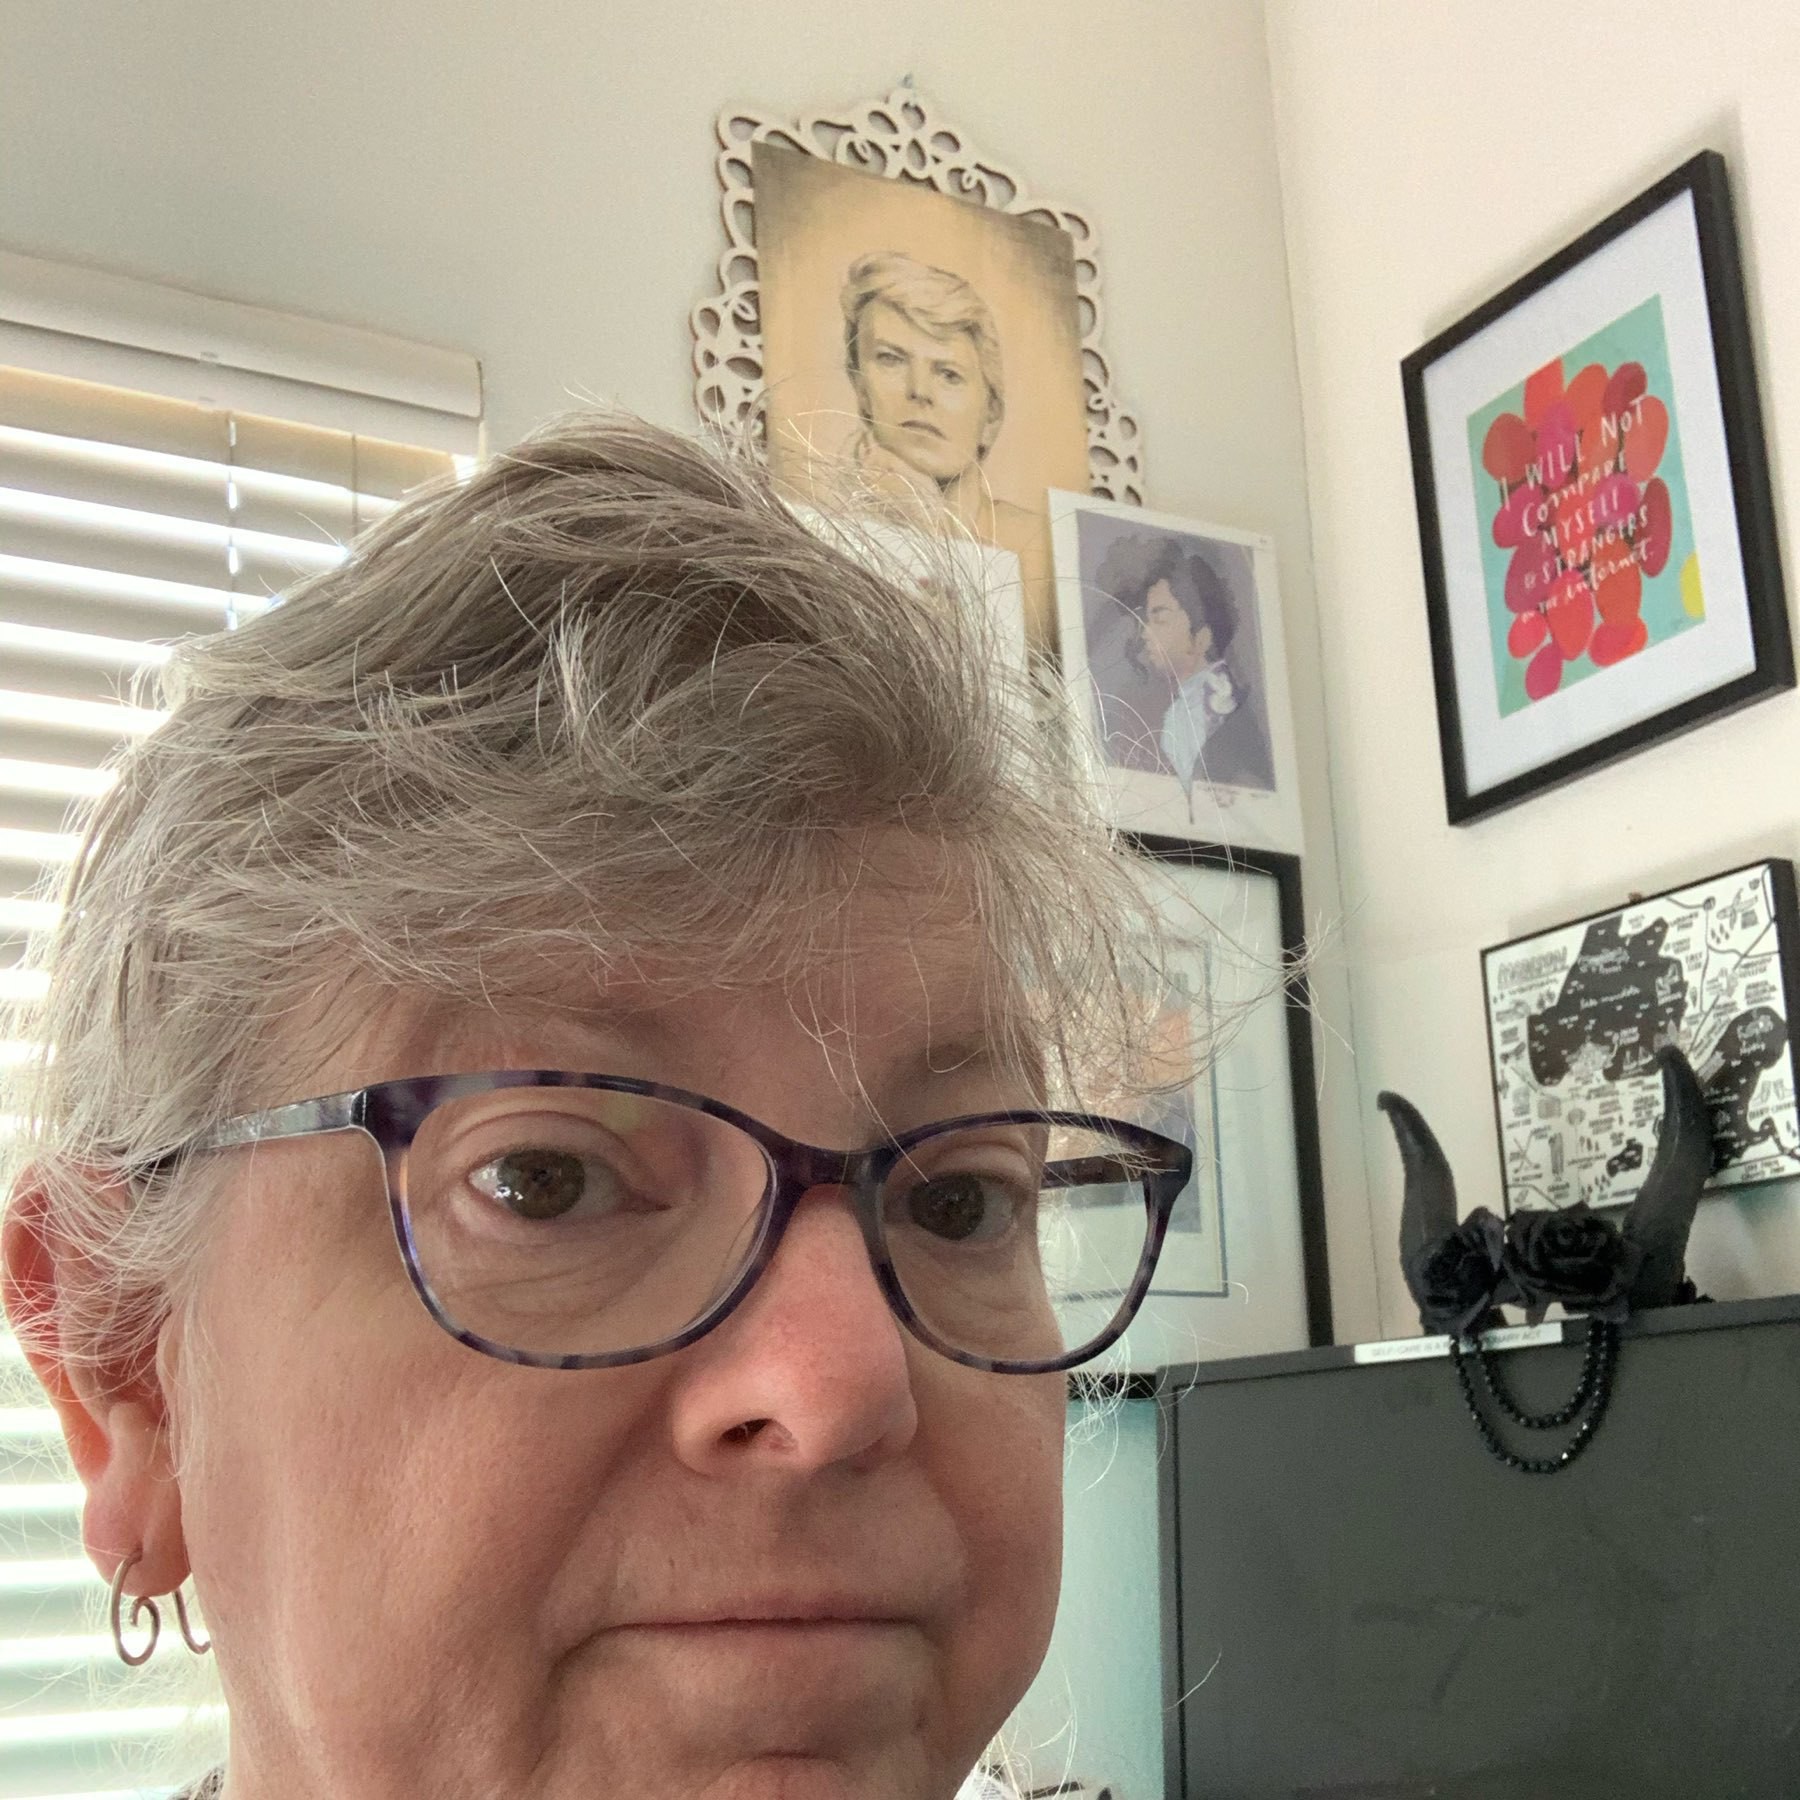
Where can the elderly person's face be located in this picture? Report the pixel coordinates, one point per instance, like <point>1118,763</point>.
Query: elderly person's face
<point>804,1556</point>
<point>923,394</point>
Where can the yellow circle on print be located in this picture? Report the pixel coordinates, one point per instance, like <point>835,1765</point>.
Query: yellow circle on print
<point>1691,596</point>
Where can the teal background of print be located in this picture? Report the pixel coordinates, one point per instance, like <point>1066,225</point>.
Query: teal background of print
<point>1636,337</point>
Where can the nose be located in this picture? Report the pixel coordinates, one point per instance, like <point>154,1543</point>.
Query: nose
<point>811,1370</point>
<point>918,384</point>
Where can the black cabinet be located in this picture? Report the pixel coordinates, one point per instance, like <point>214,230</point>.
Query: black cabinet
<point>1361,1602</point>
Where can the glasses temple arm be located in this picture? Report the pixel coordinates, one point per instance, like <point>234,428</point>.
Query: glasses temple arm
<point>301,1118</point>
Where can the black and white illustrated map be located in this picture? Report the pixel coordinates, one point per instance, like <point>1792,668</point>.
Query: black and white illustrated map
<point>1576,1016</point>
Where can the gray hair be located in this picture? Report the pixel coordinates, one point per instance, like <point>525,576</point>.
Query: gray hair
<point>605,703</point>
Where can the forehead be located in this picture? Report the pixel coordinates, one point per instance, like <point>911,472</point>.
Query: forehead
<point>897,986</point>
<point>883,322</point>
<point>1161,598</point>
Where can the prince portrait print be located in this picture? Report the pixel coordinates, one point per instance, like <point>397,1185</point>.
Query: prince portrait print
<point>1171,639</point>
<point>1171,635</point>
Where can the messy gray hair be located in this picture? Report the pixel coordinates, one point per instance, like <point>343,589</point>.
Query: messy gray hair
<point>609,703</point>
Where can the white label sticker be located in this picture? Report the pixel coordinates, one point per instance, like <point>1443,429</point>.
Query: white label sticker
<point>1518,1337</point>
<point>1415,1349</point>
<point>1402,1349</point>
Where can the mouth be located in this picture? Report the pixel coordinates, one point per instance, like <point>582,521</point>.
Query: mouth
<point>783,1612</point>
<point>920,429</point>
<point>799,1647</point>
<point>772,1630</point>
<point>757,1619</point>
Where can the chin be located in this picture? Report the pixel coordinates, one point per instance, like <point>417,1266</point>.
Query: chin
<point>941,468</point>
<point>717,1714</point>
<point>814,1778</point>
<point>780,1777</point>
<point>919,454</point>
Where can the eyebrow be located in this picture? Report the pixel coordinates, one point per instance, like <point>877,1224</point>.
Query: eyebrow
<point>597,1034</point>
<point>516,1041</point>
<point>938,1062</point>
<point>978,1054</point>
<point>882,1082</point>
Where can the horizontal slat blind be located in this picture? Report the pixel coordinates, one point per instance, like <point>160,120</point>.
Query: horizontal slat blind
<point>128,521</point>
<point>150,339</point>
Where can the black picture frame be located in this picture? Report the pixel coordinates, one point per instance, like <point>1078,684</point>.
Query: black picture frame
<point>1490,765</point>
<point>1695,1021</point>
<point>1284,871</point>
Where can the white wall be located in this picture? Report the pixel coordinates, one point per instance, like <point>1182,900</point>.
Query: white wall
<point>535,184</point>
<point>1431,150</point>
<point>1095,1711</point>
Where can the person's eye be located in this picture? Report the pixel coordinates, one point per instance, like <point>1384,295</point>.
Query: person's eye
<point>538,1182</point>
<point>966,1206</point>
<point>951,377</point>
<point>888,358</point>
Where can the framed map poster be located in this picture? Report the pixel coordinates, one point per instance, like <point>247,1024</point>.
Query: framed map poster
<point>1576,1015</point>
<point>1595,512</point>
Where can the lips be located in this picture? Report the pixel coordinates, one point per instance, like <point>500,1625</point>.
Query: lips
<point>924,430</point>
<point>777,1610</point>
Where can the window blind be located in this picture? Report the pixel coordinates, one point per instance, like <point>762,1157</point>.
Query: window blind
<point>131,517</point>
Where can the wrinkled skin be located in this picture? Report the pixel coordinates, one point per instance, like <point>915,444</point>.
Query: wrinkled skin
<point>431,1573</point>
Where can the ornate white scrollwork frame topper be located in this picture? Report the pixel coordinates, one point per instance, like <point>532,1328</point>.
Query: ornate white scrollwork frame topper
<point>903,138</point>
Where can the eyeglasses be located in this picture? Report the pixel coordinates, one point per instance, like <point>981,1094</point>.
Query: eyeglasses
<point>573,1221</point>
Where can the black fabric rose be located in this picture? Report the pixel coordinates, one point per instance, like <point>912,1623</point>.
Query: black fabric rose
<point>1456,1279</point>
<point>1572,1255</point>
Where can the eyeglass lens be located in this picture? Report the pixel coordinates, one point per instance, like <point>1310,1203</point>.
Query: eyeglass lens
<point>583,1221</point>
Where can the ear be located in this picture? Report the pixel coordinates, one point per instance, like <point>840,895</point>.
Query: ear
<point>114,1420</point>
<point>996,417</point>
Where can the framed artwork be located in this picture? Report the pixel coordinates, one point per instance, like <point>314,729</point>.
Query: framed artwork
<point>1243,1268</point>
<point>1601,565</point>
<point>1576,1015</point>
<point>922,347</point>
<point>907,329</point>
<point>1171,642</point>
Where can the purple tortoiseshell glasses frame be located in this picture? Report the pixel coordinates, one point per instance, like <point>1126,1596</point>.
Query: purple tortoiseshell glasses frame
<point>391,1112</point>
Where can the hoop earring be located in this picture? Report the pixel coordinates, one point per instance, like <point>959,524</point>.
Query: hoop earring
<point>140,1605</point>
<point>199,1646</point>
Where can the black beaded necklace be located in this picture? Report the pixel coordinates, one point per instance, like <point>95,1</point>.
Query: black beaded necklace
<point>1593,1391</point>
<point>1462,1272</point>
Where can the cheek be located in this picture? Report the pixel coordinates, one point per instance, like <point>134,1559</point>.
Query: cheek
<point>352,1462</point>
<point>1010,1503</point>
<point>965,403</point>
